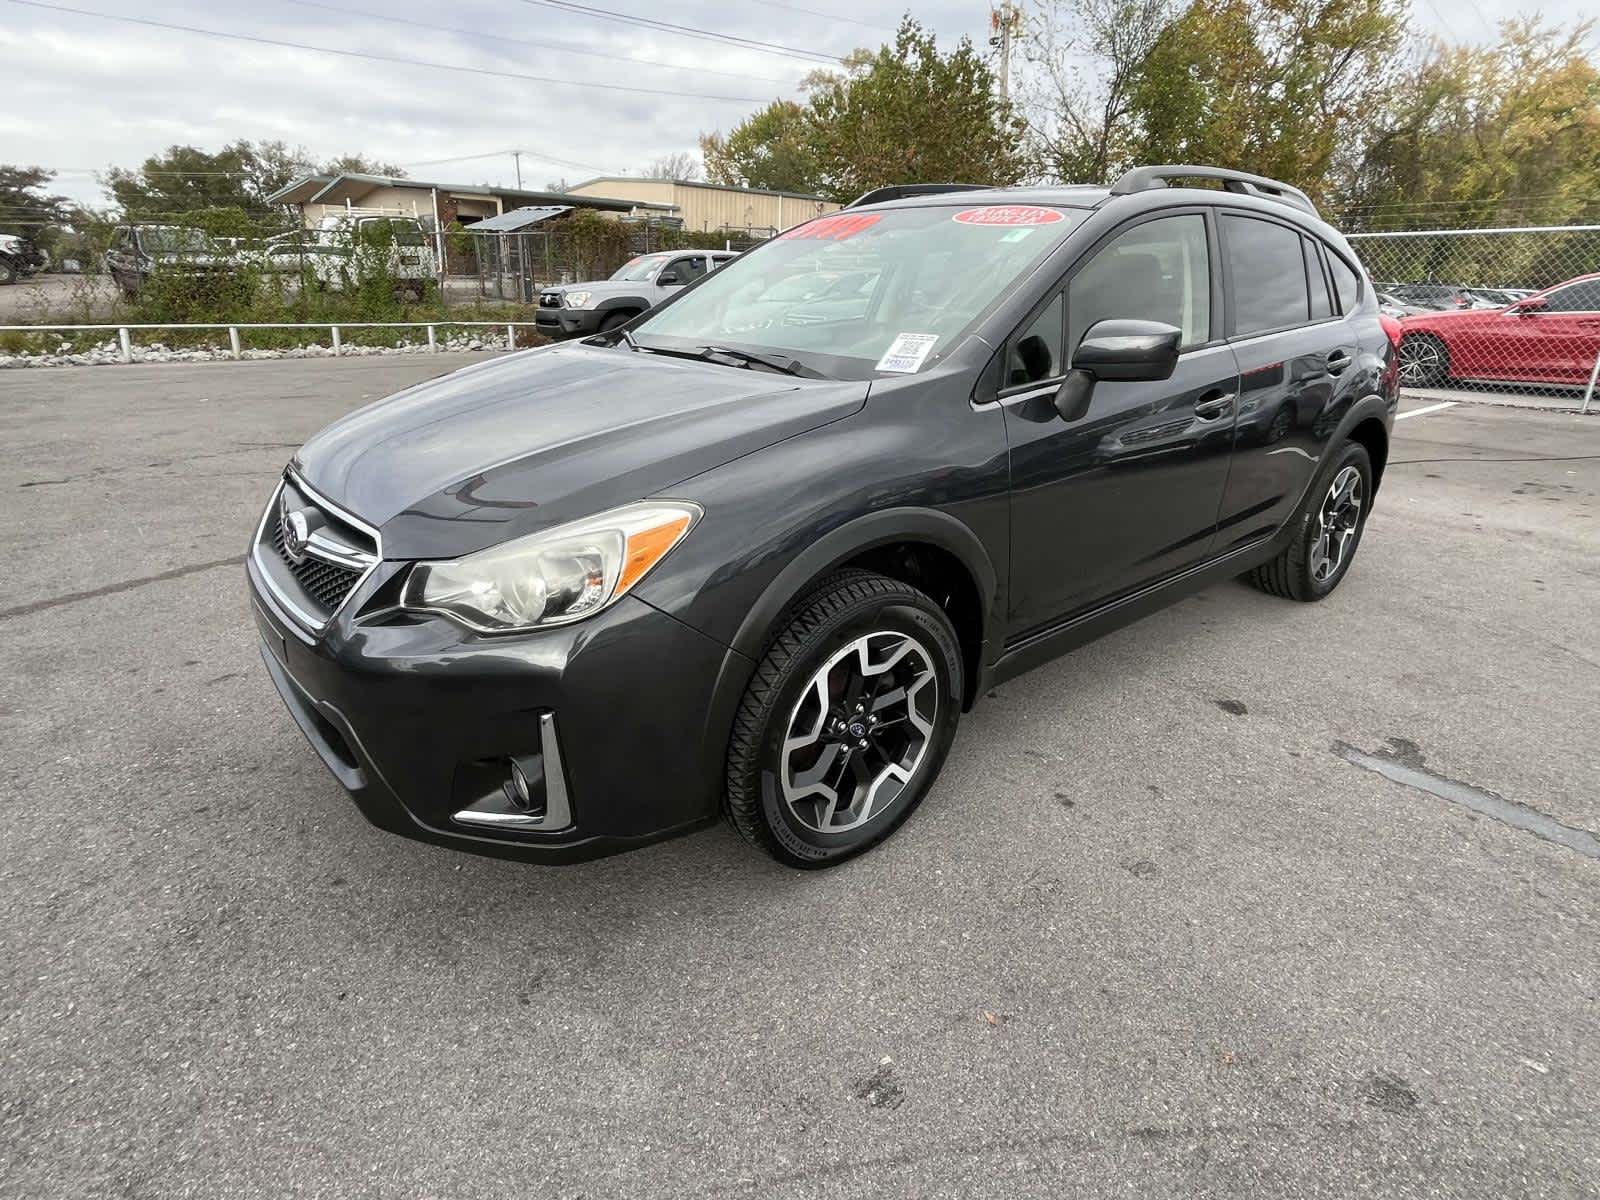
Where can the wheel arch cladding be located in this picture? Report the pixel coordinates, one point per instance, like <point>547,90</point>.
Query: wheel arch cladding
<point>1371,434</point>
<point>930,550</point>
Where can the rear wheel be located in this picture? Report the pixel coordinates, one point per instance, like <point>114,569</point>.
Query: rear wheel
<point>1424,361</point>
<point>1328,531</point>
<point>846,722</point>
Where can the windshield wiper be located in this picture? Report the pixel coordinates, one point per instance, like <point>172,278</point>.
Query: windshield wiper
<point>781,363</point>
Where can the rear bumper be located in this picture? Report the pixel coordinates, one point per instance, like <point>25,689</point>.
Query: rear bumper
<point>417,719</point>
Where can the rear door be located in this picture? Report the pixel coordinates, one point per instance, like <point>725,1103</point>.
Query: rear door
<point>1296,353</point>
<point>1129,493</point>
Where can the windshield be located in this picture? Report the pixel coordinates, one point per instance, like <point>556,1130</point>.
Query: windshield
<point>874,291</point>
<point>637,270</point>
<point>170,239</point>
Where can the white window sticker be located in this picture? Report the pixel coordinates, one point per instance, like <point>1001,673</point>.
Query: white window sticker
<point>908,352</point>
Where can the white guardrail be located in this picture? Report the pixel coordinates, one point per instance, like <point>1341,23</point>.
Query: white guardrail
<point>125,341</point>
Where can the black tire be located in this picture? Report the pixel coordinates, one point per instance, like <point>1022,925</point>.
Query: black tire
<point>832,618</point>
<point>1424,361</point>
<point>8,271</point>
<point>613,320</point>
<point>1297,573</point>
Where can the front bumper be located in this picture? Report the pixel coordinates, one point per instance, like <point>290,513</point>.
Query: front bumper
<point>568,322</point>
<point>417,718</point>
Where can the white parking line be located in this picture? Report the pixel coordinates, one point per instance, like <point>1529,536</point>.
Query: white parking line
<point>1417,412</point>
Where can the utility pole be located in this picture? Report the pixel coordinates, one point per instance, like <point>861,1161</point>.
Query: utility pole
<point>516,157</point>
<point>1005,25</point>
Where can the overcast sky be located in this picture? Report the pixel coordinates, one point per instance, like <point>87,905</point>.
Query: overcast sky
<point>88,92</point>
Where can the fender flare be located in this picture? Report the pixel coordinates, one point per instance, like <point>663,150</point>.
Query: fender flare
<point>612,302</point>
<point>881,528</point>
<point>1370,407</point>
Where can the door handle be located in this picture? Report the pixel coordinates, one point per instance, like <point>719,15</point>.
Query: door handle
<point>1338,361</point>
<point>1216,406</point>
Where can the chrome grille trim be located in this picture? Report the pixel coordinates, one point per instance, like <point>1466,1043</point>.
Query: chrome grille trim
<point>327,549</point>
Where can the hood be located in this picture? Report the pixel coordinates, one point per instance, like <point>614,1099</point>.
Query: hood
<point>601,288</point>
<point>504,448</point>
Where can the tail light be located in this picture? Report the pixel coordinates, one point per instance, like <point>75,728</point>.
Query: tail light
<point>1390,327</point>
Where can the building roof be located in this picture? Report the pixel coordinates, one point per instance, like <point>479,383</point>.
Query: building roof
<point>336,189</point>
<point>697,183</point>
<point>518,218</point>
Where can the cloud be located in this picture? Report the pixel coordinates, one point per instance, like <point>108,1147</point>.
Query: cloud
<point>87,93</point>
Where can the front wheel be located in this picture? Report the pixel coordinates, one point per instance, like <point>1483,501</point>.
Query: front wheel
<point>1328,530</point>
<point>846,722</point>
<point>8,271</point>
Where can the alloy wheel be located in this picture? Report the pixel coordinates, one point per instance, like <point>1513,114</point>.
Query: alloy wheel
<point>1422,362</point>
<point>1337,522</point>
<point>859,732</point>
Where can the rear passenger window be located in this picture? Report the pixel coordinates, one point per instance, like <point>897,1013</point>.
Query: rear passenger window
<point>1157,271</point>
<point>1345,282</point>
<point>1321,302</point>
<point>1036,353</point>
<point>1269,274</point>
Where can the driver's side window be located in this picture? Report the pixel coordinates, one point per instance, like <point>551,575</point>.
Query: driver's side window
<point>1159,270</point>
<point>682,270</point>
<point>1577,297</point>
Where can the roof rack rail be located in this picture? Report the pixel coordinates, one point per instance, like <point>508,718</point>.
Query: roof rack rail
<point>899,191</point>
<point>1143,179</point>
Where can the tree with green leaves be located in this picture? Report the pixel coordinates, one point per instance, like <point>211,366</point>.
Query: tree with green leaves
<point>1284,88</point>
<point>907,113</point>
<point>1507,133</point>
<point>769,149</point>
<point>25,207</point>
<point>186,179</point>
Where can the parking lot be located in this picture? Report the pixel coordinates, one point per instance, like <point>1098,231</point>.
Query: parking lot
<point>1160,930</point>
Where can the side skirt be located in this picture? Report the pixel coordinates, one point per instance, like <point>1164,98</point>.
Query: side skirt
<point>1037,648</point>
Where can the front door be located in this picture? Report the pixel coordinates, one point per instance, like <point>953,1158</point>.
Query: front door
<point>1109,503</point>
<point>1566,332</point>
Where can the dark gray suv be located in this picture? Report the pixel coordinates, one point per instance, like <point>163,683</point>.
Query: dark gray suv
<point>754,552</point>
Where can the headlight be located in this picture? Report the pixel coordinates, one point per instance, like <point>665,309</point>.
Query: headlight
<point>576,299</point>
<point>555,577</point>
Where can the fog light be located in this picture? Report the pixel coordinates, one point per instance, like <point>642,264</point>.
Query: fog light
<point>524,786</point>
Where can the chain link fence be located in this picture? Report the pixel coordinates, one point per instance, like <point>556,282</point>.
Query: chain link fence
<point>1507,311</point>
<point>516,266</point>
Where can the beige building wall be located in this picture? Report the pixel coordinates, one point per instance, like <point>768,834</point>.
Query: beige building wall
<point>711,207</point>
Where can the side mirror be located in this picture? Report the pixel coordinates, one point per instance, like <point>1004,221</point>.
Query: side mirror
<point>667,279</point>
<point>1121,351</point>
<point>1529,306</point>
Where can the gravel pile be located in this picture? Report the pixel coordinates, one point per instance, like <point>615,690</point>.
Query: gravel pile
<point>108,353</point>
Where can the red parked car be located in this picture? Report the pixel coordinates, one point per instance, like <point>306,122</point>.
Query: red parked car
<point>1552,336</point>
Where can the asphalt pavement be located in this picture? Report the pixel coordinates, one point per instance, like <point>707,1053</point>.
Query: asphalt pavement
<point>1156,932</point>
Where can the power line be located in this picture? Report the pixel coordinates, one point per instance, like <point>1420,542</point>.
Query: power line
<point>498,37</point>
<point>383,58</point>
<point>811,12</point>
<point>688,31</point>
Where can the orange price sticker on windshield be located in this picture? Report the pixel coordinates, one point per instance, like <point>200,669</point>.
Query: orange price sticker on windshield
<point>1008,215</point>
<point>833,229</point>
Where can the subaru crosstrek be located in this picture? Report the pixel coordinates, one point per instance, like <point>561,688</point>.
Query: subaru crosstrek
<point>730,558</point>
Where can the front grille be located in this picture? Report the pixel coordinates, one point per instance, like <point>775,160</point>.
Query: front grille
<point>335,551</point>
<point>549,299</point>
<point>328,582</point>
